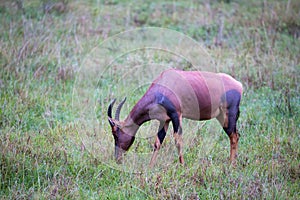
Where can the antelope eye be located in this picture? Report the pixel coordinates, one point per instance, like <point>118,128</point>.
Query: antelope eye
<point>116,133</point>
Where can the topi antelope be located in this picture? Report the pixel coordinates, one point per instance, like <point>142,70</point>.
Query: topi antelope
<point>177,94</point>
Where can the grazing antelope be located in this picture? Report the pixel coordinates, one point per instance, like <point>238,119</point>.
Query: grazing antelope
<point>177,94</point>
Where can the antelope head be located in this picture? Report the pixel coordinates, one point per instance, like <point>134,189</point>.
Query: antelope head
<point>122,139</point>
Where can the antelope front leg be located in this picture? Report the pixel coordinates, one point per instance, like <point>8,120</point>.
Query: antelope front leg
<point>177,121</point>
<point>155,152</point>
<point>234,139</point>
<point>158,141</point>
<point>179,145</point>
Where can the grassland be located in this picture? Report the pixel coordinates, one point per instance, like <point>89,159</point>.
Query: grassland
<point>63,61</point>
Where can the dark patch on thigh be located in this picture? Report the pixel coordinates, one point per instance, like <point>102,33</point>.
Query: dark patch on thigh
<point>232,98</point>
<point>232,101</point>
<point>232,119</point>
<point>170,108</point>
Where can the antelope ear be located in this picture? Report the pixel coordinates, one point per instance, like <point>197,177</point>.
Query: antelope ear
<point>111,122</point>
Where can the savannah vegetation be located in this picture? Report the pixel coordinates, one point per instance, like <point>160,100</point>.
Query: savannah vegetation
<point>55,140</point>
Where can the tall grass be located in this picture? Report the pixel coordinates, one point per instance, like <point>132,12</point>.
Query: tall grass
<point>55,141</point>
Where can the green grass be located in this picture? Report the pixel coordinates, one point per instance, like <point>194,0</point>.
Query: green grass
<point>61,64</point>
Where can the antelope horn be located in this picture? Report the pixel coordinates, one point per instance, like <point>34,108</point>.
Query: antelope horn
<point>110,108</point>
<point>117,117</point>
